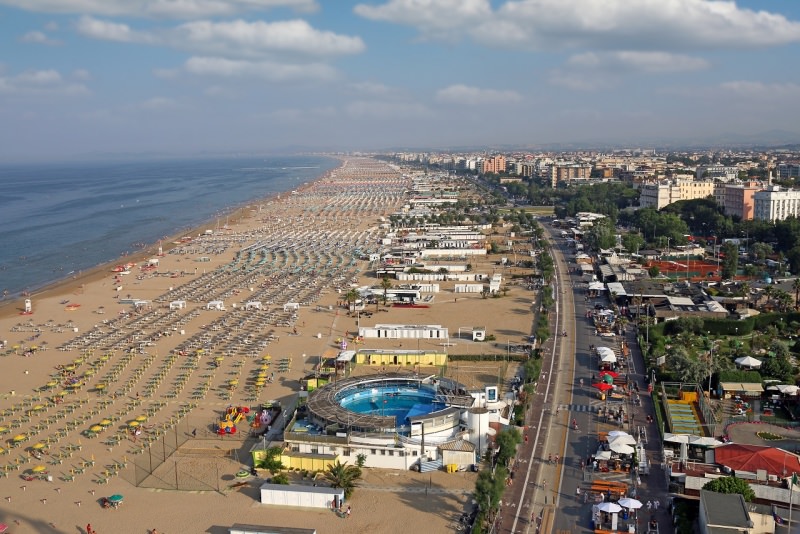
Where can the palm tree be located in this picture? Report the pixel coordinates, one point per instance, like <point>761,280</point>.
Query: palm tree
<point>343,476</point>
<point>386,285</point>
<point>796,287</point>
<point>351,297</point>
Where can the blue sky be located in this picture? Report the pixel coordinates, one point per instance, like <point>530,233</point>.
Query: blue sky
<point>102,77</point>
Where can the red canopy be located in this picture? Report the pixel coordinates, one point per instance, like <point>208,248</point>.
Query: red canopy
<point>602,386</point>
<point>751,458</point>
<point>607,372</point>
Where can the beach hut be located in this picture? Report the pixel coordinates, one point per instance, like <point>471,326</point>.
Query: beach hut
<point>291,306</point>
<point>217,305</point>
<point>152,262</point>
<point>177,305</point>
<point>252,305</point>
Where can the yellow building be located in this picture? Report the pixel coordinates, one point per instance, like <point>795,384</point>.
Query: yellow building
<point>402,358</point>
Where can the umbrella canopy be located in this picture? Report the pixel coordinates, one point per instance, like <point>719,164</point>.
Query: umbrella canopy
<point>609,373</point>
<point>608,379</point>
<point>631,504</point>
<point>703,441</point>
<point>615,433</point>
<point>604,350</point>
<point>96,428</point>
<point>39,446</point>
<point>603,455</point>
<point>602,386</point>
<point>748,361</point>
<point>620,448</point>
<point>19,437</point>
<point>116,498</point>
<point>626,440</point>
<point>142,418</point>
<point>133,423</point>
<point>608,358</point>
<point>788,389</point>
<point>105,422</point>
<point>676,438</point>
<point>611,507</point>
<point>39,469</point>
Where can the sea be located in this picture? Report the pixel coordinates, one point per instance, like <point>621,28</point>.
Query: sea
<point>57,220</point>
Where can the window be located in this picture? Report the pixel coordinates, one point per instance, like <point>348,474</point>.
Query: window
<point>345,452</point>
<point>373,451</point>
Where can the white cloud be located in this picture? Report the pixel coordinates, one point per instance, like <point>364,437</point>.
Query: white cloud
<point>277,72</point>
<point>474,96</point>
<point>241,38</point>
<point>81,74</point>
<point>293,115</point>
<point>34,82</point>
<point>158,103</point>
<point>637,61</point>
<point>237,38</point>
<point>374,109</point>
<point>38,38</point>
<point>611,24</point>
<point>176,9</point>
<point>433,18</point>
<point>372,88</point>
<point>761,90</point>
<point>51,26</point>
<point>109,31</point>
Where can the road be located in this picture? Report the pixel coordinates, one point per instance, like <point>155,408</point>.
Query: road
<point>543,494</point>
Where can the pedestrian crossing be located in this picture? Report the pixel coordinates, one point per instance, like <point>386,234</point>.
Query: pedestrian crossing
<point>577,408</point>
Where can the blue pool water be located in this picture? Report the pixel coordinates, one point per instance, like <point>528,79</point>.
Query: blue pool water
<point>400,402</point>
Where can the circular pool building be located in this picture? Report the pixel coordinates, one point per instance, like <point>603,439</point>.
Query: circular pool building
<point>393,403</point>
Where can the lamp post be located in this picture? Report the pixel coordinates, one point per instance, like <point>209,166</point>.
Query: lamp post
<point>710,362</point>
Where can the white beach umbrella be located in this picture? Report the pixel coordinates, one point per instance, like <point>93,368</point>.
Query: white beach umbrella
<point>611,507</point>
<point>624,440</point>
<point>748,361</point>
<point>603,455</point>
<point>630,504</point>
<point>604,350</point>
<point>676,438</point>
<point>620,448</point>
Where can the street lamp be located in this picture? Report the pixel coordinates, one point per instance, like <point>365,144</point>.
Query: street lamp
<point>710,362</point>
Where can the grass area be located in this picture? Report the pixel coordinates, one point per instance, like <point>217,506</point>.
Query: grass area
<point>661,415</point>
<point>769,436</point>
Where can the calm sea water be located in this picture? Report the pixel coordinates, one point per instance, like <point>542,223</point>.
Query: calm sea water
<point>56,220</point>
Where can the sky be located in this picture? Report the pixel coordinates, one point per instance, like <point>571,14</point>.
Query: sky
<point>100,78</point>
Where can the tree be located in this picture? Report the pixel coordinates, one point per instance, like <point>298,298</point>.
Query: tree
<point>653,271</point>
<point>730,263</point>
<point>386,285</point>
<point>731,485</point>
<point>778,367</point>
<point>796,287</point>
<point>272,460</point>
<point>632,242</point>
<point>351,297</point>
<point>343,476</point>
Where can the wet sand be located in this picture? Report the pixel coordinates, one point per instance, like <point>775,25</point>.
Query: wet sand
<point>187,365</point>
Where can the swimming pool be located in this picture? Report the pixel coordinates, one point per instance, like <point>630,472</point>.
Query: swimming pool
<point>400,402</point>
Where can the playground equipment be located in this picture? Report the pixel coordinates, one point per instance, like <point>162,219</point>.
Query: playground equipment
<point>233,415</point>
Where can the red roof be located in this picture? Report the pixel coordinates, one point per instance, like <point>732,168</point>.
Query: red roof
<point>751,458</point>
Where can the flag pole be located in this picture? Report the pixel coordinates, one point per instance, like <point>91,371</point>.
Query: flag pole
<point>793,481</point>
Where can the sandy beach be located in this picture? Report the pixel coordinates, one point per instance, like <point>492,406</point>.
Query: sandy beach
<point>89,361</point>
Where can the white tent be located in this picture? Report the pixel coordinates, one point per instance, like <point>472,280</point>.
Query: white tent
<point>787,389</point>
<point>252,305</point>
<point>748,361</point>
<point>597,286</point>
<point>704,441</point>
<point>177,305</point>
<point>604,350</point>
<point>216,305</point>
<point>603,455</point>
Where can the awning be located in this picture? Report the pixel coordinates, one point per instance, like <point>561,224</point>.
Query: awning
<point>744,387</point>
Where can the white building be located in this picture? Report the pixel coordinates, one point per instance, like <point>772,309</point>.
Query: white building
<point>775,204</point>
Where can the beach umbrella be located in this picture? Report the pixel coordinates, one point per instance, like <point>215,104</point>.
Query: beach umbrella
<point>608,379</point>
<point>3,429</point>
<point>626,439</point>
<point>630,504</point>
<point>38,408</point>
<point>96,428</point>
<point>141,418</point>
<point>676,438</point>
<point>105,422</point>
<point>610,507</point>
<point>116,498</point>
<point>602,386</point>
<point>39,469</point>
<point>620,448</point>
<point>133,424</point>
<point>39,446</point>
<point>19,437</point>
<point>609,373</point>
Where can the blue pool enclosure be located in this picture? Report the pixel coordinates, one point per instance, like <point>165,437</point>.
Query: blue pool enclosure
<point>389,403</point>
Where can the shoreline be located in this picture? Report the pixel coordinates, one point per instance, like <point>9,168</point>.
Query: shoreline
<point>72,285</point>
<point>80,377</point>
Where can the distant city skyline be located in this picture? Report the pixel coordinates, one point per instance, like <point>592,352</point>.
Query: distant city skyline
<point>93,78</point>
